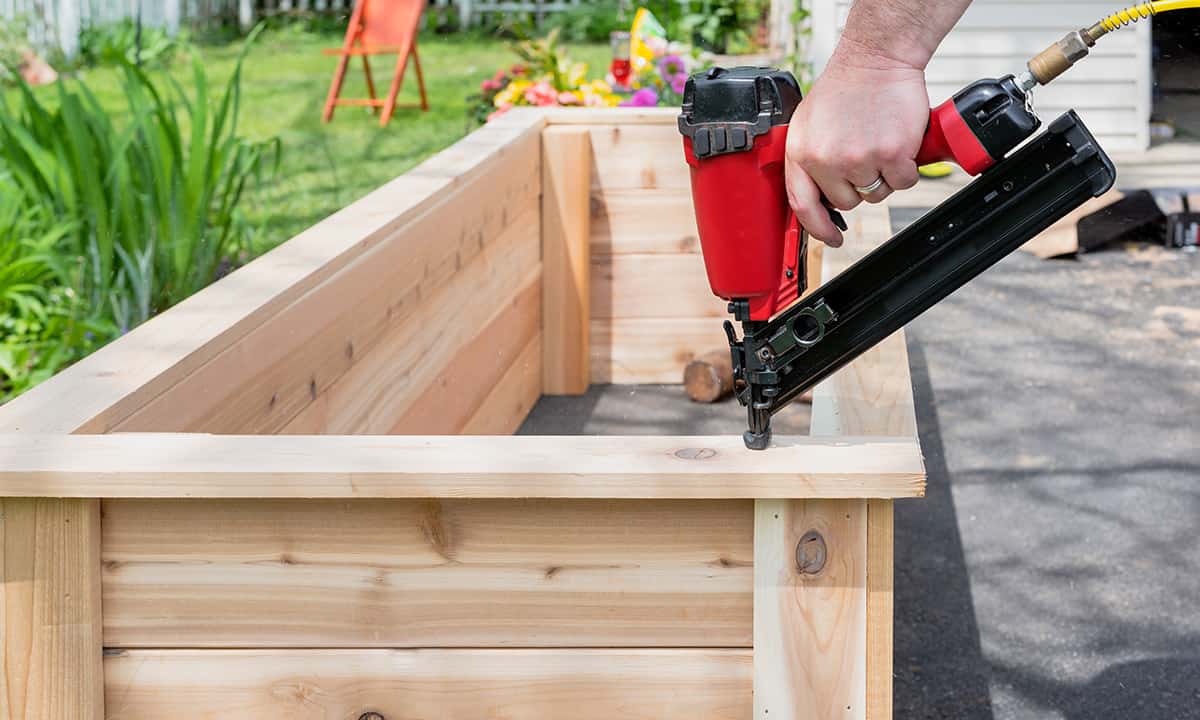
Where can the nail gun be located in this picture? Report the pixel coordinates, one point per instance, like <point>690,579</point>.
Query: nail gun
<point>734,125</point>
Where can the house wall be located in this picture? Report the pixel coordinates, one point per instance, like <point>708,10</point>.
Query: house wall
<point>1110,90</point>
<point>56,23</point>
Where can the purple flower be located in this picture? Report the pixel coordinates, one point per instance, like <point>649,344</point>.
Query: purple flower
<point>678,82</point>
<point>646,97</point>
<point>670,66</point>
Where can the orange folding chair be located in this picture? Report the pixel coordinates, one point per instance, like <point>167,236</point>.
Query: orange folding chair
<point>378,27</point>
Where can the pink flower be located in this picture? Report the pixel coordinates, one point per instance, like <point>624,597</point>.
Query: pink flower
<point>498,112</point>
<point>568,98</point>
<point>646,97</point>
<point>670,66</point>
<point>542,94</point>
<point>517,69</point>
<point>500,75</point>
<point>678,82</point>
<point>489,85</point>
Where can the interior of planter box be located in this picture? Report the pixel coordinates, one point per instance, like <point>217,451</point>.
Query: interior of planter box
<point>435,326</point>
<point>422,309</point>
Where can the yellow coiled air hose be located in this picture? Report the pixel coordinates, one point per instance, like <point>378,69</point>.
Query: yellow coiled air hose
<point>1056,59</point>
<point>1133,13</point>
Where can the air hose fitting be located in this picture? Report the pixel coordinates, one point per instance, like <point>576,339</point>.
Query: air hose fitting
<point>1075,45</point>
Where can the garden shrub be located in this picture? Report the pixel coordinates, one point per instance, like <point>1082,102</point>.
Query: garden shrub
<point>151,204</point>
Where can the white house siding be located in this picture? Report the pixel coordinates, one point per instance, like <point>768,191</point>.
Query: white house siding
<point>56,23</point>
<point>1111,89</point>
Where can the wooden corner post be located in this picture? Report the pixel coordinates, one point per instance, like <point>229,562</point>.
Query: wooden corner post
<point>50,623</point>
<point>566,259</point>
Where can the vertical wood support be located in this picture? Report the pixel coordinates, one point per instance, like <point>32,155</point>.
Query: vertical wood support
<point>880,609</point>
<point>810,619</point>
<point>50,610</point>
<point>566,259</point>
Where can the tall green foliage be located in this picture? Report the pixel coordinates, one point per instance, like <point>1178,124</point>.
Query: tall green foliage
<point>41,328</point>
<point>151,202</point>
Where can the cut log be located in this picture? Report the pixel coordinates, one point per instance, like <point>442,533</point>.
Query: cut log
<point>709,377</point>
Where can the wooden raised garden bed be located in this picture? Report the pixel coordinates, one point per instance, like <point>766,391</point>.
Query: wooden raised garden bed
<point>294,495</point>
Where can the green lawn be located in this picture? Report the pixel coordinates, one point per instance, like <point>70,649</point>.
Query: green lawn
<point>326,167</point>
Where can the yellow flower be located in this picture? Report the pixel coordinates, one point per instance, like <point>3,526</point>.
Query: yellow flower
<point>514,94</point>
<point>576,75</point>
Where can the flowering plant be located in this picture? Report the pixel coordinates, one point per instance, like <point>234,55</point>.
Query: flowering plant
<point>659,80</point>
<point>547,77</point>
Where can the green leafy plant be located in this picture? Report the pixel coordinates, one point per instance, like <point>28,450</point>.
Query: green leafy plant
<point>114,43</point>
<point>723,25</point>
<point>590,21</point>
<point>153,204</point>
<point>798,55</point>
<point>14,39</point>
<point>40,326</point>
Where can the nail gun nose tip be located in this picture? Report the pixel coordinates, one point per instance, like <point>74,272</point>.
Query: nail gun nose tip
<point>757,441</point>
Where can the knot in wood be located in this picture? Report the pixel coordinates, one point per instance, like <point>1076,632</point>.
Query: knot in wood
<point>810,553</point>
<point>371,715</point>
<point>695,453</point>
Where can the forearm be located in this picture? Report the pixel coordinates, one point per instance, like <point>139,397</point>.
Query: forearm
<point>883,34</point>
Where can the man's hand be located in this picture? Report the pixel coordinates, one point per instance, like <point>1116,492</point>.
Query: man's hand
<point>860,122</point>
<point>866,115</point>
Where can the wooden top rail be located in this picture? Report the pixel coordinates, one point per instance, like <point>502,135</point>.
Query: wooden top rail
<point>226,466</point>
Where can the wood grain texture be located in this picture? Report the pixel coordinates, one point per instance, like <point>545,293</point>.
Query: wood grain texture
<point>345,466</point>
<point>102,390</point>
<point>810,629</point>
<point>380,387</point>
<point>636,221</point>
<point>507,405</point>
<point>442,684</point>
<point>463,386</point>
<point>649,350</point>
<point>872,395</point>
<point>663,116</point>
<point>653,286</point>
<point>427,573</point>
<point>51,638</point>
<point>638,157</point>
<point>798,637</point>
<point>50,610</point>
<point>709,377</point>
<point>566,257</point>
<point>880,608</point>
<point>279,369</point>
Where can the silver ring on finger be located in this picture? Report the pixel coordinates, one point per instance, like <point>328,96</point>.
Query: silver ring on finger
<point>868,189</point>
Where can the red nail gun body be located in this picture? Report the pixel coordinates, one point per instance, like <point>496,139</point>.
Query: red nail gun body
<point>734,124</point>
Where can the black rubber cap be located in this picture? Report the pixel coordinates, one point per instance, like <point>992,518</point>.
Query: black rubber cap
<point>757,441</point>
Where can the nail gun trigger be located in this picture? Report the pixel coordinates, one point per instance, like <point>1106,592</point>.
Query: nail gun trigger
<point>834,215</point>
